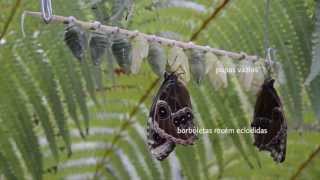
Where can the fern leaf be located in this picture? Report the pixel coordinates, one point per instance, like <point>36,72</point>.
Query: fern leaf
<point>90,78</point>
<point>10,164</point>
<point>208,122</point>
<point>226,118</point>
<point>185,156</point>
<point>100,11</point>
<point>315,67</point>
<point>234,102</point>
<point>5,168</point>
<point>79,94</point>
<point>43,73</point>
<point>27,83</point>
<point>118,10</point>
<point>82,99</point>
<point>25,137</point>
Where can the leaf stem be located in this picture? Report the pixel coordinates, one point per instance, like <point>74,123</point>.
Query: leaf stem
<point>13,12</point>
<point>305,163</point>
<point>209,19</point>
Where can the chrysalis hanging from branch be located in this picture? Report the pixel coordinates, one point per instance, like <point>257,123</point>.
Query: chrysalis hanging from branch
<point>217,78</point>
<point>75,39</point>
<point>99,42</point>
<point>178,62</point>
<point>245,74</point>
<point>122,51</point>
<point>210,60</point>
<point>140,49</point>
<point>197,65</point>
<point>157,58</point>
<point>162,40</point>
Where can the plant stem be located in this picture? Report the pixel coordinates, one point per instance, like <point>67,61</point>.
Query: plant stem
<point>150,38</point>
<point>209,19</point>
<point>13,12</point>
<point>305,164</point>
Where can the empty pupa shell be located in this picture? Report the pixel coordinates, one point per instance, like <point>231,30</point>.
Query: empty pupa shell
<point>210,60</point>
<point>217,77</point>
<point>178,63</point>
<point>245,74</point>
<point>122,51</point>
<point>157,58</point>
<point>140,49</point>
<point>229,65</point>
<point>197,64</point>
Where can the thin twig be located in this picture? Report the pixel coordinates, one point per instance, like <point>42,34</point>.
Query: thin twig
<point>209,19</point>
<point>13,12</point>
<point>126,124</point>
<point>151,38</point>
<point>305,164</point>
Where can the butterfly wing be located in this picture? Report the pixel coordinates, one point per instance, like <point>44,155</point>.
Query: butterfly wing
<point>177,97</point>
<point>160,148</point>
<point>269,115</point>
<point>170,110</point>
<point>278,144</point>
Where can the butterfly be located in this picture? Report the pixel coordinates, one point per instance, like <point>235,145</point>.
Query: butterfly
<point>269,115</point>
<point>170,112</point>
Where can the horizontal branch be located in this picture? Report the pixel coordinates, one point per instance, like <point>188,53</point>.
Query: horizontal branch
<point>152,38</point>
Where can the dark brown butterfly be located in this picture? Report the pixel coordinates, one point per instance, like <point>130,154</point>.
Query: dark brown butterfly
<point>269,115</point>
<point>170,112</point>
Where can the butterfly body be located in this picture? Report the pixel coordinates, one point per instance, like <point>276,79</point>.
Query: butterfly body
<point>171,110</point>
<point>269,115</point>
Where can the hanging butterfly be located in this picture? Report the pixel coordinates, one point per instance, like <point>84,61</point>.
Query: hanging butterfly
<point>170,112</point>
<point>269,115</point>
